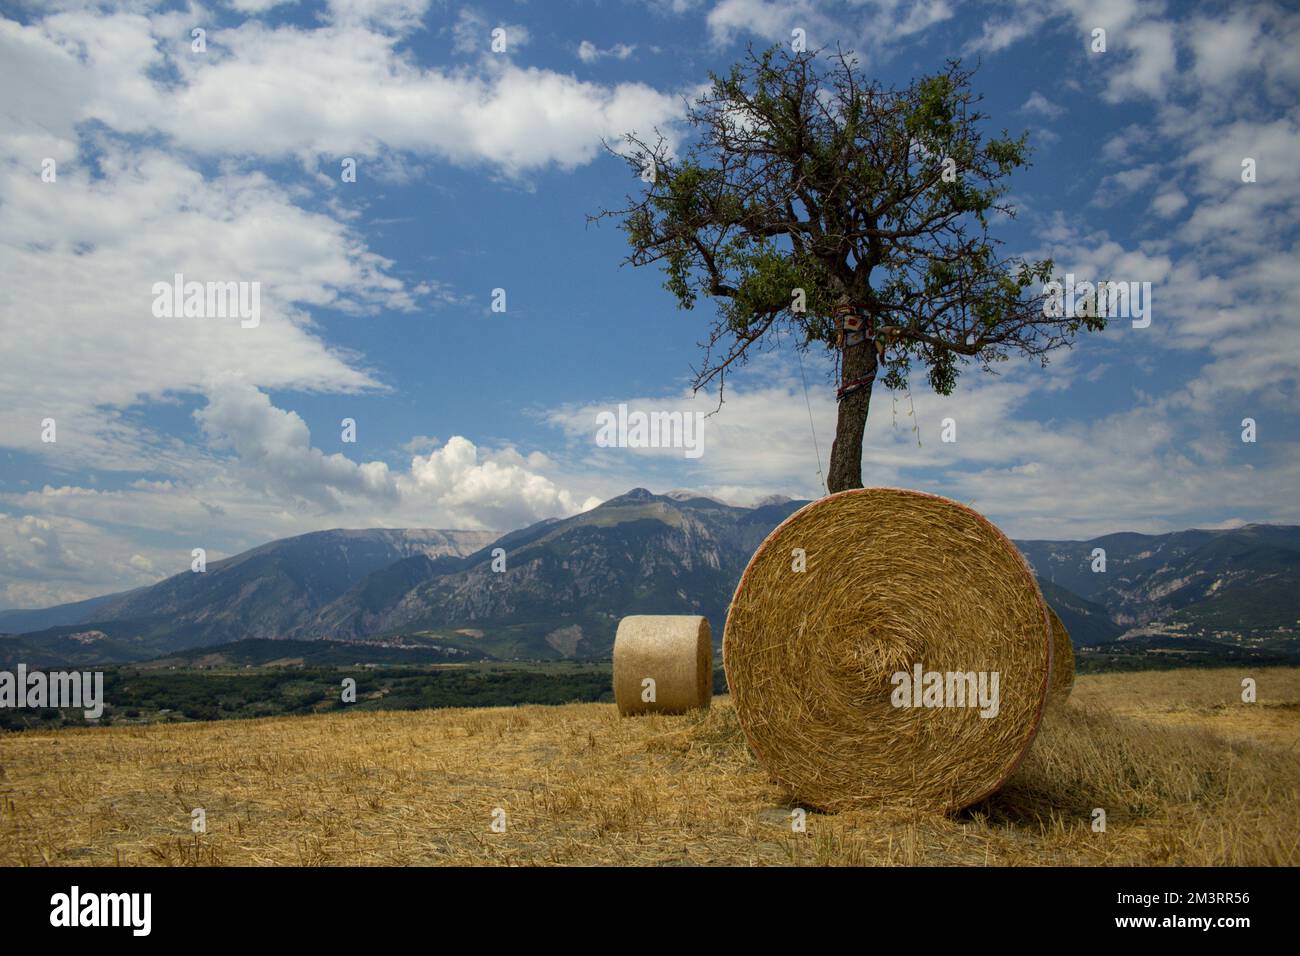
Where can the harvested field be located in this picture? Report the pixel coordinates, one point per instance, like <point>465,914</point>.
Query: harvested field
<point>1187,775</point>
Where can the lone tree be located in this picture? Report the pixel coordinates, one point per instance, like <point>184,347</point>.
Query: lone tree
<point>816,202</point>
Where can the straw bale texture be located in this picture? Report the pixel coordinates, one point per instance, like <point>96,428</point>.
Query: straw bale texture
<point>1062,662</point>
<point>676,650</point>
<point>893,579</point>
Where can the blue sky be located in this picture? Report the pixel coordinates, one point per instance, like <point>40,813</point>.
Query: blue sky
<point>476,170</point>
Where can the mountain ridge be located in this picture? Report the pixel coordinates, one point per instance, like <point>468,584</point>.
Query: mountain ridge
<point>566,582</point>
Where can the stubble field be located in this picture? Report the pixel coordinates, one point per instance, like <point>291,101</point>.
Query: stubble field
<point>1186,773</point>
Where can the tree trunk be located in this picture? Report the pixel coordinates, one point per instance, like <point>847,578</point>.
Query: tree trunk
<point>858,362</point>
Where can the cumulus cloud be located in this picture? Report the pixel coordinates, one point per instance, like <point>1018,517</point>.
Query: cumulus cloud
<point>260,475</point>
<point>353,91</point>
<point>159,154</point>
<point>157,151</point>
<point>491,491</point>
<point>48,559</point>
<point>1216,89</point>
<point>274,448</point>
<point>455,485</point>
<point>80,286</point>
<point>1130,469</point>
<point>1247,47</point>
<point>82,253</point>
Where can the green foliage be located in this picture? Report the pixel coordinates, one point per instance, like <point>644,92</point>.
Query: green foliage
<point>806,175</point>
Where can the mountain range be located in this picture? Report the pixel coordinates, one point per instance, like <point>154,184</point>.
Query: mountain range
<point>566,582</point>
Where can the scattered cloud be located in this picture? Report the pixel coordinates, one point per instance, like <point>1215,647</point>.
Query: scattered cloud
<point>864,26</point>
<point>355,93</point>
<point>170,161</point>
<point>588,52</point>
<point>1042,106</point>
<point>474,33</point>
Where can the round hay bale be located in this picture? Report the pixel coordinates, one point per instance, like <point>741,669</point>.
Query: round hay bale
<point>1062,681</point>
<point>820,662</point>
<point>675,651</point>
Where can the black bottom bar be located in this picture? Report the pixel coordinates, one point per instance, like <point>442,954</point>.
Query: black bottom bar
<point>340,906</point>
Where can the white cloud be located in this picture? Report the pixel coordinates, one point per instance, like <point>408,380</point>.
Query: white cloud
<point>83,254</point>
<point>1121,147</point>
<point>260,477</point>
<point>1129,469</point>
<point>1140,51</point>
<point>1040,104</point>
<point>458,483</point>
<point>257,6</point>
<point>343,89</point>
<point>1250,51</point>
<point>996,34</point>
<point>273,449</point>
<point>48,559</point>
<point>869,25</point>
<point>1148,66</point>
<point>131,206</point>
<point>473,33</point>
<point>155,148</point>
<point>1119,186</point>
<point>495,491</point>
<point>455,485</point>
<point>395,15</point>
<point>1169,202</point>
<point>588,52</point>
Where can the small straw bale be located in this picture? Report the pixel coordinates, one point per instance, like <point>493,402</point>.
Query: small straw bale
<point>1062,662</point>
<point>821,662</point>
<point>673,650</point>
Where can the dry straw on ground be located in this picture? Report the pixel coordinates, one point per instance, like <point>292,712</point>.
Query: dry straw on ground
<point>1187,773</point>
<point>673,650</point>
<point>893,579</point>
<point>1062,681</point>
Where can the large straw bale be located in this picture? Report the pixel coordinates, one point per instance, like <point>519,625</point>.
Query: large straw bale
<point>894,580</point>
